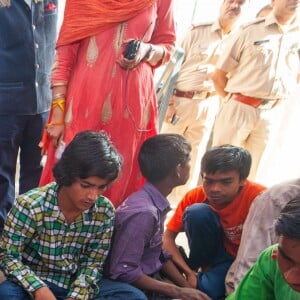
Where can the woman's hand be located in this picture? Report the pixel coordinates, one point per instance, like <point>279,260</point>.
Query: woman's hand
<point>142,51</point>
<point>171,111</point>
<point>55,132</point>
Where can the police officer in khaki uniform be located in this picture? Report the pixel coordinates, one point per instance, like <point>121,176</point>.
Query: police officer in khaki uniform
<point>194,105</point>
<point>256,73</point>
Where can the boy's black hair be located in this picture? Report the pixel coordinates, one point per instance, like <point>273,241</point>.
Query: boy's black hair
<point>226,158</point>
<point>160,154</point>
<point>88,154</point>
<point>288,222</point>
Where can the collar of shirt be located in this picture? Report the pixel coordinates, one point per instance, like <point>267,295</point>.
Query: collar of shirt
<point>28,2</point>
<point>271,19</point>
<point>216,27</point>
<point>157,198</point>
<point>54,213</point>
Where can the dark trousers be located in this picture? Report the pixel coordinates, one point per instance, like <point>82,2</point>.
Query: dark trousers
<point>109,290</point>
<point>19,133</point>
<point>205,238</point>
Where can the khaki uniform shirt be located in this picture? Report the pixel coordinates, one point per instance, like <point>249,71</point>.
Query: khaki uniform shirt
<point>262,60</point>
<point>200,46</point>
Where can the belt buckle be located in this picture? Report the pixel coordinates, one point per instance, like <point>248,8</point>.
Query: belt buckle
<point>200,95</point>
<point>266,104</point>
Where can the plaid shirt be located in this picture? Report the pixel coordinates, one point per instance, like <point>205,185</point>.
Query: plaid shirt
<point>38,244</point>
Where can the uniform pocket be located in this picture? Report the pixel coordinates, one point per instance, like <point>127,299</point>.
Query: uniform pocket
<point>293,58</point>
<point>261,54</point>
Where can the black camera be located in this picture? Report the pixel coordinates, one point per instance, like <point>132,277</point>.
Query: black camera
<point>131,49</point>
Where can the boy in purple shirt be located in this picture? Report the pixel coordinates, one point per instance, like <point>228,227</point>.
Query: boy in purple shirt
<point>136,255</point>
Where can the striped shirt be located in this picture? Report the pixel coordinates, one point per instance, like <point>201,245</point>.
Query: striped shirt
<point>38,244</point>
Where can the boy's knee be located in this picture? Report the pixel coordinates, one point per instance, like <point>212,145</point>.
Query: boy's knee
<point>111,289</point>
<point>197,213</point>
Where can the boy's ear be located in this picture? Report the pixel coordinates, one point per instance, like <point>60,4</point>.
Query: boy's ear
<point>242,182</point>
<point>178,169</point>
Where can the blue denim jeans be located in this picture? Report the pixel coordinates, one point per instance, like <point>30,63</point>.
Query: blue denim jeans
<point>22,132</point>
<point>205,237</point>
<point>109,290</point>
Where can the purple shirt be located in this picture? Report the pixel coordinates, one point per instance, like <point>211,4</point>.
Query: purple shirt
<point>137,243</point>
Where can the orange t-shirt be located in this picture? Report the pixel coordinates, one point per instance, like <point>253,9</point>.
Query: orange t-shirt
<point>232,217</point>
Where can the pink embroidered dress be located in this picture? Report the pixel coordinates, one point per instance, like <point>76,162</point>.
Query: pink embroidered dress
<point>103,96</point>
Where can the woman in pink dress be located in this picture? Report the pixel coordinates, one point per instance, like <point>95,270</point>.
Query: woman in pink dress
<point>95,87</point>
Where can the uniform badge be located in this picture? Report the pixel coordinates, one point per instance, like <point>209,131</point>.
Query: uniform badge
<point>261,42</point>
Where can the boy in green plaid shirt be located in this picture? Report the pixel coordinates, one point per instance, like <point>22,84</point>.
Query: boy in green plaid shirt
<point>56,237</point>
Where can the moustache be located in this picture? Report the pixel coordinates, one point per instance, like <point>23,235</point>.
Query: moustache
<point>234,10</point>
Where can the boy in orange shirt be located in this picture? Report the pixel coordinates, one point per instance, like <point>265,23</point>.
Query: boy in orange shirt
<point>212,217</point>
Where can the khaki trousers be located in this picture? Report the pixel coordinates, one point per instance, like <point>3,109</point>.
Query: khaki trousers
<point>242,125</point>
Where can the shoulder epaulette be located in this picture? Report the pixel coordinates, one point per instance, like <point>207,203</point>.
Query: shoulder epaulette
<point>255,21</point>
<point>202,24</point>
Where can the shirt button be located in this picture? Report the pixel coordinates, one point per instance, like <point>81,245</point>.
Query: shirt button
<point>36,84</point>
<point>37,66</point>
<point>33,26</point>
<point>36,45</point>
<point>125,266</point>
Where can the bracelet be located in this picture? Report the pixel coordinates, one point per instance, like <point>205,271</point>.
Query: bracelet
<point>59,102</point>
<point>164,54</point>
<point>58,84</point>
<point>54,124</point>
<point>57,96</point>
<point>149,53</point>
